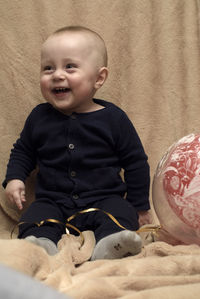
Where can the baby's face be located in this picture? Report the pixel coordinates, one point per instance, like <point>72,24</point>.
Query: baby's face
<point>69,71</point>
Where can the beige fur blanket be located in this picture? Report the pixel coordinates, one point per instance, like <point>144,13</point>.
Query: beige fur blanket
<point>159,271</point>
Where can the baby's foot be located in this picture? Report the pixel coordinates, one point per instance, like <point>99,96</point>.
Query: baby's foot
<point>47,244</point>
<point>118,245</point>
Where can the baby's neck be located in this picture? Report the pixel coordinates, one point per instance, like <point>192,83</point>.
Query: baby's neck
<point>94,107</point>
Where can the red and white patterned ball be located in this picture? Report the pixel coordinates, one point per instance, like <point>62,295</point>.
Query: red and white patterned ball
<point>176,190</point>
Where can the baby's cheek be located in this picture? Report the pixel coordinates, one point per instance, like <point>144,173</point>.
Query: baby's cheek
<point>44,86</point>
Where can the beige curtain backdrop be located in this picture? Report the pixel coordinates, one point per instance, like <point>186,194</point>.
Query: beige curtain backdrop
<point>154,64</point>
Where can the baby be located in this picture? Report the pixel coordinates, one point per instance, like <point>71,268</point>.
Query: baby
<point>79,144</point>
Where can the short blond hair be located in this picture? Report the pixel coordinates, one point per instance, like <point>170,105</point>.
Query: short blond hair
<point>100,44</point>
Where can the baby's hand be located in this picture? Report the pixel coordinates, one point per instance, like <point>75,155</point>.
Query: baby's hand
<point>15,192</point>
<point>145,217</point>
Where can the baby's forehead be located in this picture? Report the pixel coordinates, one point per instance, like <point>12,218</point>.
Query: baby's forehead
<point>82,37</point>
<point>88,40</point>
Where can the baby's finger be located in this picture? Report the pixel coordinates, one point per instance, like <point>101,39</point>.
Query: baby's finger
<point>19,204</point>
<point>23,196</point>
<point>17,200</point>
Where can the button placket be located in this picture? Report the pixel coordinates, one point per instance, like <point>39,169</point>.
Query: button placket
<point>71,147</point>
<point>72,172</point>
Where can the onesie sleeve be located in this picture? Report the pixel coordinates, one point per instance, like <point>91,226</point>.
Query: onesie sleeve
<point>134,161</point>
<point>22,158</point>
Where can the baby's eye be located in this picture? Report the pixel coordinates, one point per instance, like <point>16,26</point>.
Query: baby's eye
<point>70,66</point>
<point>47,68</point>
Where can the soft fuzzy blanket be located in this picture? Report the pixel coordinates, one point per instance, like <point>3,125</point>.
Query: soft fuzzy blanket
<point>159,271</point>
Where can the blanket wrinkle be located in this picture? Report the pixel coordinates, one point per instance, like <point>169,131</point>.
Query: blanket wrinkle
<point>161,248</point>
<point>80,252</point>
<point>25,257</point>
<point>139,283</point>
<point>34,261</point>
<point>144,266</point>
<point>172,292</point>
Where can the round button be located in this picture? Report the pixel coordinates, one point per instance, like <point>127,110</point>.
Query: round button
<point>71,146</point>
<point>75,196</point>
<point>73,173</point>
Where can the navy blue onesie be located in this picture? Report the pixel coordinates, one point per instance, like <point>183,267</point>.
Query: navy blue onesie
<point>79,158</point>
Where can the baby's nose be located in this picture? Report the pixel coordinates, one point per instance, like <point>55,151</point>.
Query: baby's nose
<point>59,74</point>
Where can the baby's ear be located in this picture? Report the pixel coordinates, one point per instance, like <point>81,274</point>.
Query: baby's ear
<point>101,77</point>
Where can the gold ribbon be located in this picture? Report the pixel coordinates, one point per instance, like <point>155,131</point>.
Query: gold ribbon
<point>151,228</point>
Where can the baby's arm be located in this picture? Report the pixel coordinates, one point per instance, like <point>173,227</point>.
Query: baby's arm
<point>15,192</point>
<point>21,163</point>
<point>134,161</point>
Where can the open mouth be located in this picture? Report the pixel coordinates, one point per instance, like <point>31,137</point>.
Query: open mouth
<point>59,90</point>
